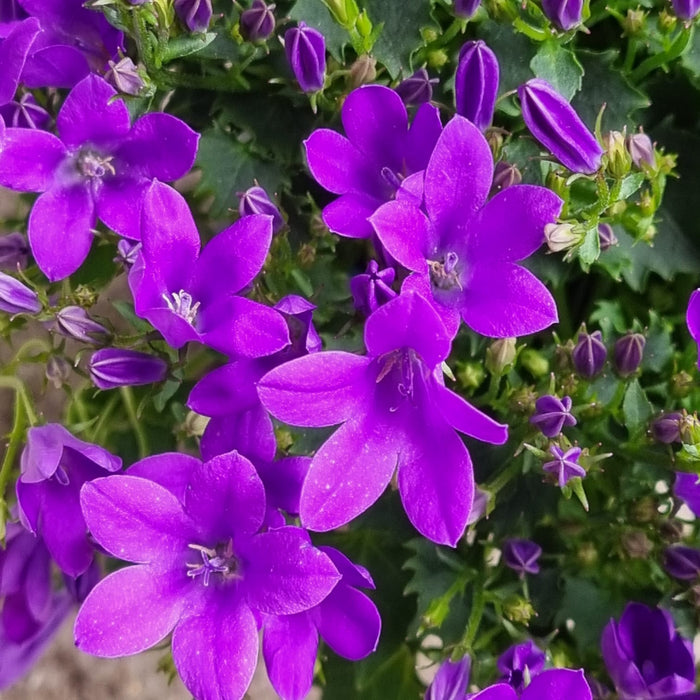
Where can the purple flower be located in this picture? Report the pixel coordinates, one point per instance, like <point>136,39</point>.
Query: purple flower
<point>451,680</point>
<point>14,251</point>
<point>687,488</point>
<point>693,318</point>
<point>645,656</point>
<point>114,367</point>
<point>565,464</point>
<point>466,8</point>
<point>641,149</point>
<point>417,89</point>
<point>373,288</point>
<point>628,353</point>
<point>666,428</point>
<point>203,571</point>
<point>17,298</point>
<point>396,414</point>
<point>306,53</point>
<point>256,201</point>
<point>54,465</point>
<point>682,562</point>
<point>257,22</point>
<point>521,661</point>
<point>25,113</point>
<point>555,124</point>
<point>552,414</point>
<point>521,555</point>
<point>188,294</point>
<point>100,167</point>
<point>465,251</point>
<point>128,253</point>
<point>194,14</point>
<point>476,83</point>
<point>379,154</point>
<point>74,322</point>
<point>589,354</point>
<point>686,9</point>
<point>124,76</point>
<point>565,14</point>
<point>555,683</point>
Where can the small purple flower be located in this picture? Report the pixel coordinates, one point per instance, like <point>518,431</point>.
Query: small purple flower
<point>124,76</point>
<point>565,14</point>
<point>641,149</point>
<point>556,683</point>
<point>306,53</point>
<point>589,354</point>
<point>666,428</point>
<point>565,464</point>
<point>203,571</point>
<point>693,318</point>
<point>25,113</point>
<point>128,253</point>
<point>521,661</point>
<point>74,322</point>
<point>193,295</point>
<point>194,14</point>
<point>54,466</point>
<point>645,656</point>
<point>552,414</point>
<point>257,22</point>
<point>14,251</point>
<point>606,236</point>
<point>555,124</point>
<point>451,680</point>
<point>628,353</point>
<point>114,367</point>
<point>687,488</point>
<point>373,288</point>
<point>521,555</point>
<point>686,9</point>
<point>100,167</point>
<point>476,83</point>
<point>256,201</point>
<point>682,562</point>
<point>396,415</point>
<point>17,298</point>
<point>466,9</point>
<point>417,89</point>
<point>380,154</point>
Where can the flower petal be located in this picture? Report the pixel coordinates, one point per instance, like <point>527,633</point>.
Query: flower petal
<point>420,284</point>
<point>29,159</point>
<point>499,691</point>
<point>171,470</point>
<point>228,389</point>
<point>59,66</point>
<point>422,137</point>
<point>13,54</point>
<point>120,204</point>
<point>348,215</point>
<point>558,683</point>
<point>250,432</point>
<point>462,416</point>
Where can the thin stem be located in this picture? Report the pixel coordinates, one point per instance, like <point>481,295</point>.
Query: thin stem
<point>16,438</point>
<point>654,62</point>
<point>128,400</point>
<point>477,612</point>
<point>503,478</point>
<point>18,386</point>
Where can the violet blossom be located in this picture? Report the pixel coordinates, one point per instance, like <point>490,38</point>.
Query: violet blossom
<point>565,14</point>
<point>465,250</point>
<point>552,414</point>
<point>15,47</point>
<point>257,23</point>
<point>203,571</point>
<point>100,167</point>
<point>417,89</point>
<point>369,165</point>
<point>565,464</point>
<point>396,415</point>
<point>686,9</point>
<point>110,368</point>
<point>25,113</point>
<point>306,53</point>
<point>372,288</point>
<point>451,680</point>
<point>555,683</point>
<point>693,318</point>
<point>194,14</point>
<point>521,555</point>
<point>520,663</point>
<point>256,201</point>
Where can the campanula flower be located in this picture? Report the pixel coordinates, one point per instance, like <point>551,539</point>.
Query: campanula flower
<point>114,367</point>
<point>687,488</point>
<point>628,353</point>
<point>565,464</point>
<point>25,113</point>
<point>417,89</point>
<point>466,8</point>
<point>306,53</point>
<point>589,354</point>
<point>521,661</point>
<point>521,555</point>
<point>686,9</point>
<point>476,83</point>
<point>693,318</point>
<point>466,249</point>
<point>100,167</point>
<point>396,415</point>
<point>74,322</point>
<point>556,683</point>
<point>641,150</point>
<point>256,201</point>
<point>376,158</point>
<point>682,562</point>
<point>194,14</point>
<point>451,680</point>
<point>564,14</point>
<point>372,288</point>
<point>257,23</point>
<point>124,76</point>
<point>16,297</point>
<point>552,414</point>
<point>15,48</point>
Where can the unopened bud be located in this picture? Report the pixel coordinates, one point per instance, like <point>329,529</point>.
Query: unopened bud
<point>628,353</point>
<point>476,83</point>
<point>641,150</point>
<point>606,236</point>
<point>644,510</point>
<point>637,544</point>
<point>417,89</point>
<point>619,159</point>
<point>437,58</point>
<point>561,237</point>
<point>257,23</point>
<point>500,355</point>
<point>682,384</point>
<point>256,201</point>
<point>505,175</point>
<point>471,375</point>
<point>667,22</point>
<point>666,428</point>
<point>14,252</point>
<point>633,23</point>
<point>115,367</point>
<point>17,298</point>
<point>363,70</point>
<point>518,610</point>
<point>57,370</point>
<point>124,76</point>
<point>589,354</point>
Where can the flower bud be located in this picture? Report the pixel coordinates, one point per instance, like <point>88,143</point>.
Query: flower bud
<point>127,252</point>
<point>521,555</point>
<point>552,414</point>
<point>466,9</point>
<point>494,138</point>
<point>471,375</point>
<point>124,76</point>
<point>555,124</point>
<point>523,400</point>
<point>619,159</point>
<point>606,236</point>
<point>666,428</point>
<point>628,353</point>
<point>14,251</point>
<point>194,14</point>
<point>258,22</point>
<point>686,9</point>
<point>256,201</point>
<point>667,22</point>
<point>437,58</point>
<point>518,610</point>
<point>633,22</point>
<point>306,53</point>
<point>363,70</point>
<point>561,237</point>
<point>637,544</point>
<point>16,298</point>
<point>500,355</point>
<point>417,89</point>
<point>373,288</point>
<point>564,14</point>
<point>476,83</point>
<point>25,113</point>
<point>641,150</point>
<point>114,367</point>
<point>74,322</point>
<point>589,354</point>
<point>505,175</point>
<point>682,562</point>
<point>57,370</point>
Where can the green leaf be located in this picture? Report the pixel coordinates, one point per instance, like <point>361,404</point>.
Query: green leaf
<point>636,408</point>
<point>186,45</point>
<point>559,67</point>
<point>392,675</point>
<point>610,316</point>
<point>658,350</point>
<point>631,184</point>
<point>589,250</point>
<point>316,15</point>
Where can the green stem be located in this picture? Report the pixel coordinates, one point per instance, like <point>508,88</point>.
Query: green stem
<point>477,612</point>
<point>503,478</point>
<point>653,62</point>
<point>16,438</point>
<point>128,400</point>
<point>18,386</point>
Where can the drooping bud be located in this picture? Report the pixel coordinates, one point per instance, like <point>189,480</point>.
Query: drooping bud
<point>589,354</point>
<point>74,322</point>
<point>124,76</point>
<point>258,22</point>
<point>25,113</point>
<point>619,159</point>
<point>298,313</point>
<point>256,201</point>
<point>561,237</point>
<point>417,89</point>
<point>521,555</point>
<point>57,370</point>
<point>476,83</point>
<point>115,367</point>
<point>555,124</point>
<point>628,353</point>
<point>372,289</point>
<point>686,9</point>
<point>306,52</point>
<point>17,298</point>
<point>500,355</point>
<point>14,251</point>
<point>564,14</point>
<point>682,562</point>
<point>466,9</point>
<point>194,14</point>
<point>505,175</point>
<point>641,150</point>
<point>552,414</point>
<point>606,236</point>
<point>666,428</point>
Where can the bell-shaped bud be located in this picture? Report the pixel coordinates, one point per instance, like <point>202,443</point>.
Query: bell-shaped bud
<point>561,237</point>
<point>682,562</point>
<point>25,113</point>
<point>552,414</point>
<point>417,89</point>
<point>686,9</point>
<point>505,175</point>
<point>589,354</point>
<point>363,70</point>
<point>466,9</point>
<point>115,367</point>
<point>14,251</point>
<point>606,236</point>
<point>666,428</point>
<point>555,124</point>
<point>306,52</point>
<point>194,14</point>
<point>619,159</point>
<point>373,288</point>
<point>57,370</point>
<point>124,76</point>
<point>256,201</point>
<point>257,22</point>
<point>476,83</point>
<point>564,14</point>
<point>17,298</point>
<point>74,322</point>
<point>628,353</point>
<point>641,150</point>
<point>500,355</point>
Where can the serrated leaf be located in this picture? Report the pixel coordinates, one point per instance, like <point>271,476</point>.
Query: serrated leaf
<point>186,45</point>
<point>559,67</point>
<point>636,408</point>
<point>589,250</point>
<point>631,184</point>
<point>659,346</point>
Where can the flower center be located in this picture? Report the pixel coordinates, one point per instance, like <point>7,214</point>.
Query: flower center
<point>218,561</point>
<point>61,475</point>
<point>400,374</point>
<point>443,273</point>
<point>92,164</point>
<point>391,178</point>
<point>180,303</point>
